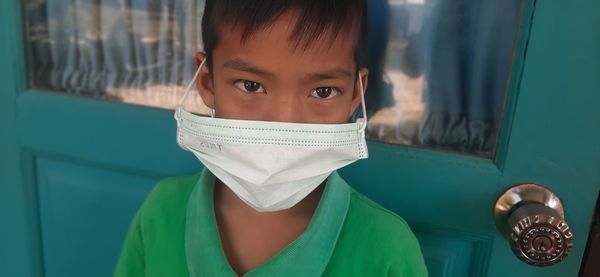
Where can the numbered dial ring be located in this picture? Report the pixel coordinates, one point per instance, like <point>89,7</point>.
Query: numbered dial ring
<point>531,217</point>
<point>541,240</point>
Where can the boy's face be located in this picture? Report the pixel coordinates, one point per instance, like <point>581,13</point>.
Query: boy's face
<point>269,78</point>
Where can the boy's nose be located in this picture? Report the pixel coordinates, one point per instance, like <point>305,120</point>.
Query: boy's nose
<point>286,110</point>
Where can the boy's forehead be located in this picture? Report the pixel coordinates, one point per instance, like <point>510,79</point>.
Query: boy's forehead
<point>277,39</point>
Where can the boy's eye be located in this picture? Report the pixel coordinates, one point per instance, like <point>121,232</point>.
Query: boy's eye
<point>324,92</point>
<point>249,86</point>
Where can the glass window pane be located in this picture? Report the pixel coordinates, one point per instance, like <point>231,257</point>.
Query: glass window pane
<point>135,51</point>
<point>439,71</point>
<point>438,68</point>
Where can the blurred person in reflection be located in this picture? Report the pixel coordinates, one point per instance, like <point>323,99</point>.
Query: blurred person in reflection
<point>464,51</point>
<point>282,79</point>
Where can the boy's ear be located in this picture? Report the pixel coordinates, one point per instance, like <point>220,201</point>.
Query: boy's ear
<point>204,82</point>
<point>363,74</point>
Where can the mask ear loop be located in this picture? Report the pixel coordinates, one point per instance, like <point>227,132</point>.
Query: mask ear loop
<point>187,91</point>
<point>364,107</point>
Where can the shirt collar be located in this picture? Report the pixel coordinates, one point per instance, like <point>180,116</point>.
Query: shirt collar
<point>309,254</point>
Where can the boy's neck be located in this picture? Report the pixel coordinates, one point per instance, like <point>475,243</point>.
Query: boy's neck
<point>250,238</point>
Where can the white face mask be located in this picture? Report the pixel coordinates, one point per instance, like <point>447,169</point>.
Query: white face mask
<point>270,165</point>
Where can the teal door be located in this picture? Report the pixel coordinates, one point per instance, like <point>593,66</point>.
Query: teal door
<point>73,170</point>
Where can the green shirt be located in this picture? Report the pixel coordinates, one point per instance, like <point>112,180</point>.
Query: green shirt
<point>175,233</point>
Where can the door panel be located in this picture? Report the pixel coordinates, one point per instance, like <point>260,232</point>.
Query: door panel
<point>18,243</point>
<point>454,253</point>
<point>84,212</point>
<point>67,160</point>
<point>112,134</point>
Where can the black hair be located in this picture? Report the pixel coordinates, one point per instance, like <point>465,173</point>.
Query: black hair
<point>316,18</point>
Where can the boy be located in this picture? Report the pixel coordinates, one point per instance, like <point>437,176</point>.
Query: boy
<point>282,79</point>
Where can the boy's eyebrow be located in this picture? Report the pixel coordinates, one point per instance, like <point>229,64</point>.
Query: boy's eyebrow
<point>336,73</point>
<point>239,64</point>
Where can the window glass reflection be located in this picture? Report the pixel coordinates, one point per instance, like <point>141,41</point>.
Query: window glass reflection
<point>438,68</point>
<point>135,51</point>
<point>443,68</point>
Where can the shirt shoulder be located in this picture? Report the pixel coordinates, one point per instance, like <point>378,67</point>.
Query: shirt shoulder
<point>373,219</point>
<point>154,245</point>
<point>375,234</point>
<point>169,196</point>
